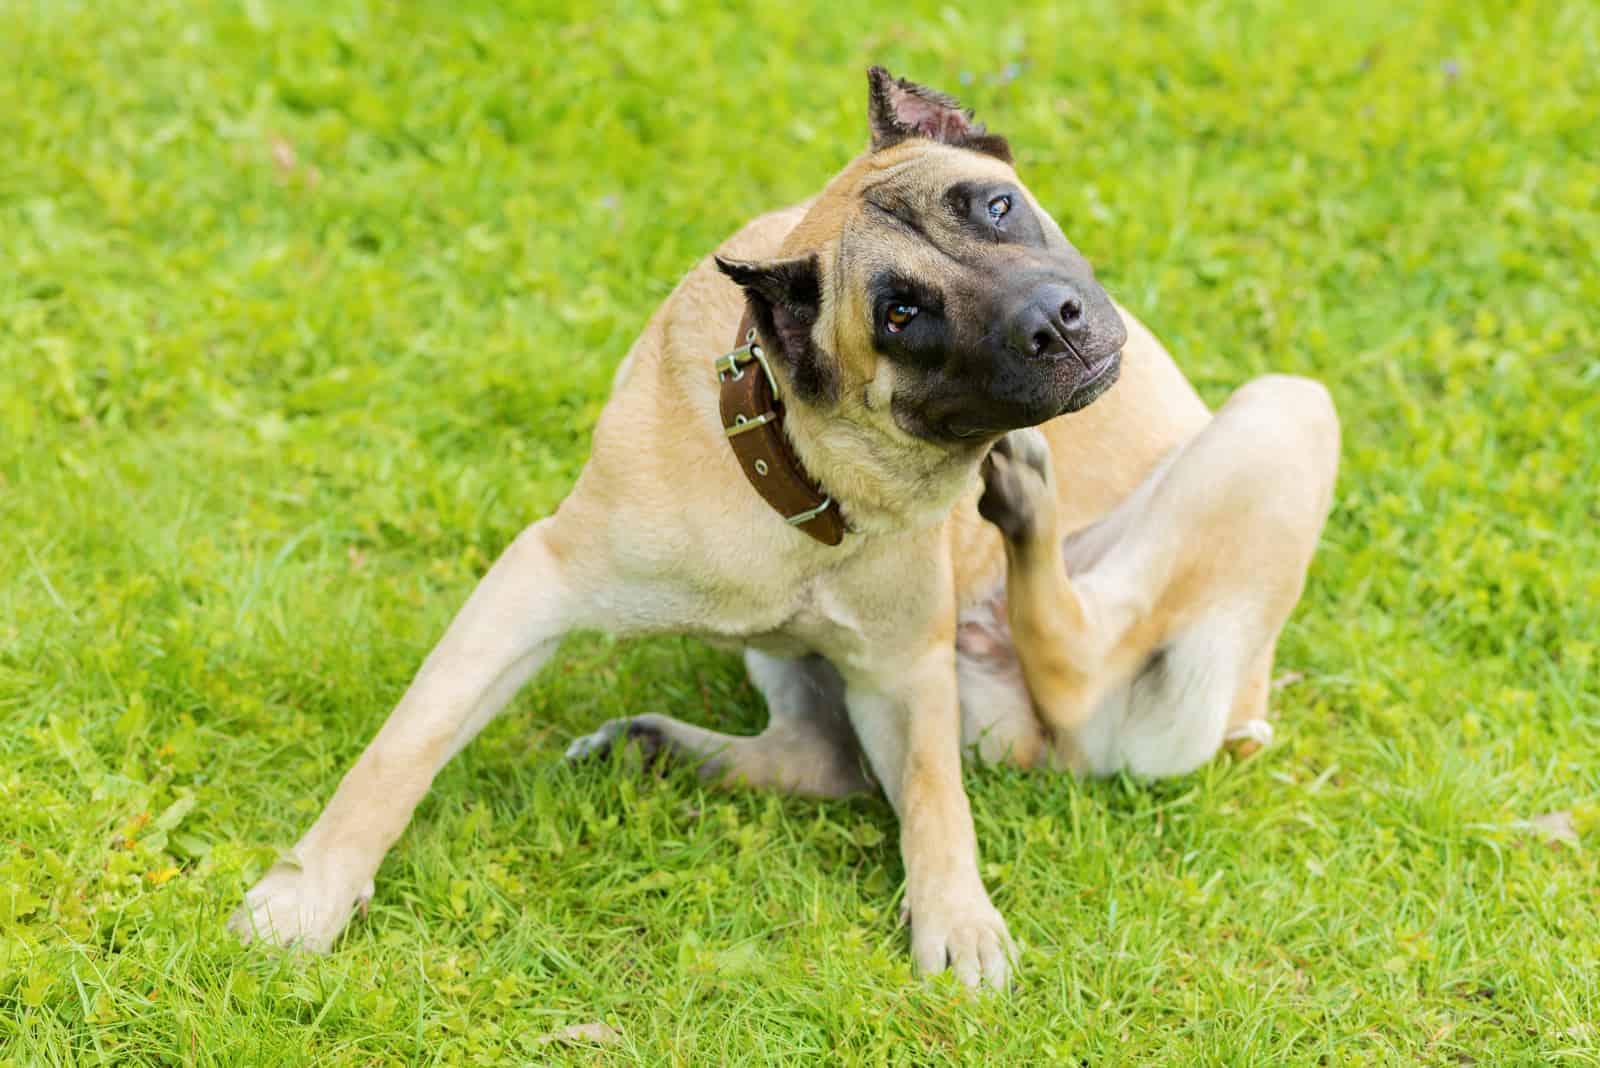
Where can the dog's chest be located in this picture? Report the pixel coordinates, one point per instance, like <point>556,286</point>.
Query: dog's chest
<point>814,618</point>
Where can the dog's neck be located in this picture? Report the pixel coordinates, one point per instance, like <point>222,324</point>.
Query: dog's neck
<point>884,481</point>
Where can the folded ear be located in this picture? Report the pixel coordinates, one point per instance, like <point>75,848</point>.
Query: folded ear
<point>898,109</point>
<point>785,298</point>
<point>792,284</point>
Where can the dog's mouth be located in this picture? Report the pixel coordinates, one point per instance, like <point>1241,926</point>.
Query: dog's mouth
<point>966,432</point>
<point>1101,375</point>
<point>1098,369</point>
<point>1098,376</point>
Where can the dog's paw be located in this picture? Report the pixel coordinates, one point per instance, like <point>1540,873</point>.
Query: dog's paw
<point>297,907</point>
<point>1249,737</point>
<point>1017,490</point>
<point>967,937</point>
<point>599,744</point>
<point>1027,446</point>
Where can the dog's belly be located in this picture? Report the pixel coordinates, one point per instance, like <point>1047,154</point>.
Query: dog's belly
<point>997,717</point>
<point>1166,718</point>
<point>775,643</point>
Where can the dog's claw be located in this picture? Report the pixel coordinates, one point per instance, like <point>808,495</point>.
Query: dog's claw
<point>969,940</point>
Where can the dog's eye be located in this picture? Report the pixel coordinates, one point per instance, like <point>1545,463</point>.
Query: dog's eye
<point>899,315</point>
<point>998,207</point>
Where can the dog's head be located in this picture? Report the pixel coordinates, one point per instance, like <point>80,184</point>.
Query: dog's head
<point>927,282</point>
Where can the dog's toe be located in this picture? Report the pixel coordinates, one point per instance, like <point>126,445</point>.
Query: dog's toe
<point>612,732</point>
<point>1016,484</point>
<point>971,942</point>
<point>299,906</point>
<point>1029,446</point>
<point>595,745</point>
<point>1249,737</point>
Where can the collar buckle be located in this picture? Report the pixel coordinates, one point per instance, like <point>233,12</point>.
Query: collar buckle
<point>731,366</point>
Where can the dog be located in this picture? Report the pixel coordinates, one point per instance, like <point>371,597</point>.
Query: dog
<point>916,340</point>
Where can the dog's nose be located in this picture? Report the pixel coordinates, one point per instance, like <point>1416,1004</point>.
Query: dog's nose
<point>1050,324</point>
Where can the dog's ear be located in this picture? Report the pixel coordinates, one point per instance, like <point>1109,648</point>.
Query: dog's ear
<point>785,297</point>
<point>898,109</point>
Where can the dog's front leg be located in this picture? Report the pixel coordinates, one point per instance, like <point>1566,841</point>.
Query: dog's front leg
<point>508,627</point>
<point>909,725</point>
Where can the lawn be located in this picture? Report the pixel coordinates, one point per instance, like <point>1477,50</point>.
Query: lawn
<point>307,308</point>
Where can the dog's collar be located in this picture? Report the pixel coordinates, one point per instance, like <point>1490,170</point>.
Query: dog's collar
<point>752,418</point>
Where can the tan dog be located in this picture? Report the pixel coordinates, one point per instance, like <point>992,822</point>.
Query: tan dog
<point>918,309</point>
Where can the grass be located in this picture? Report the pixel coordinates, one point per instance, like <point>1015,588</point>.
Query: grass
<point>308,308</point>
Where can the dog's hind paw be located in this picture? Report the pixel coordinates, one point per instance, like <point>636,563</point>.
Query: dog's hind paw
<point>599,744</point>
<point>1017,494</point>
<point>1028,446</point>
<point>1249,737</point>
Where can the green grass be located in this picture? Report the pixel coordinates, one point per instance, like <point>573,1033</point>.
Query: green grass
<point>307,308</point>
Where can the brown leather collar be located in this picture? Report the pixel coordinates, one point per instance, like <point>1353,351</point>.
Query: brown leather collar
<point>752,417</point>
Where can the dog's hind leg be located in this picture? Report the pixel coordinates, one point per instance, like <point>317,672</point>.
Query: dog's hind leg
<point>1160,642</point>
<point>1059,637</point>
<point>808,747</point>
<point>509,626</point>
